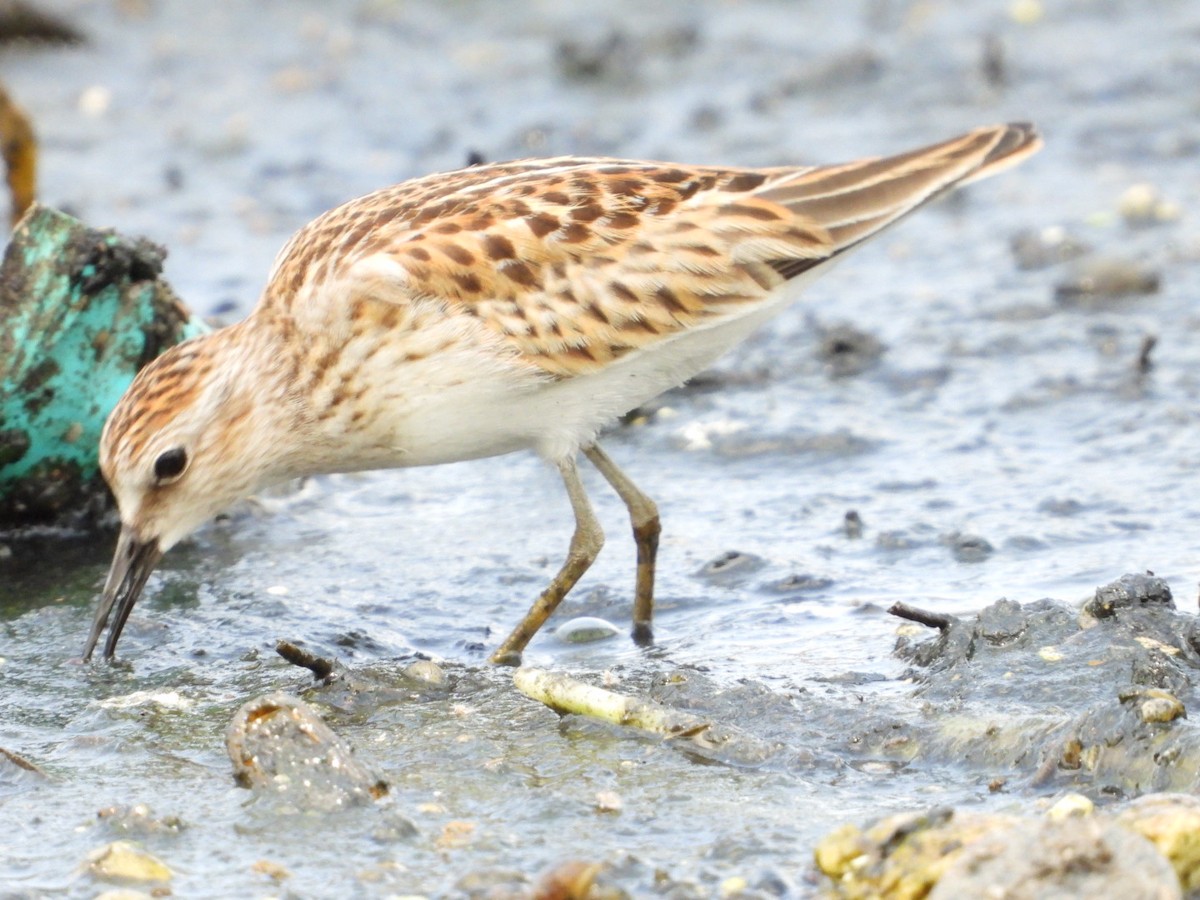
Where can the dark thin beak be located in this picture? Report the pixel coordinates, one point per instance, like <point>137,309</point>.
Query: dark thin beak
<point>131,566</point>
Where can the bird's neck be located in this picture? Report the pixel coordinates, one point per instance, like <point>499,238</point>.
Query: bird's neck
<point>301,387</point>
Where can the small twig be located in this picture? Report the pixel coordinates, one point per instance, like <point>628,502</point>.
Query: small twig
<point>922,616</point>
<point>321,668</point>
<point>20,762</point>
<point>1144,363</point>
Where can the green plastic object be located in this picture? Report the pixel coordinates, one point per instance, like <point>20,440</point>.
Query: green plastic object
<point>81,310</point>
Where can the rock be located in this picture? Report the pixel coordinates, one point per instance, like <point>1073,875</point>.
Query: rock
<point>1155,705</point>
<point>585,630</point>
<point>846,350</point>
<point>852,524</point>
<point>798,583</point>
<point>1172,823</point>
<point>1127,592</point>
<point>1143,204</point>
<point>126,861</point>
<point>425,671</point>
<point>1106,279</point>
<point>1075,857</point>
<point>280,747</point>
<point>731,567</point>
<point>970,548</point>
<point>943,854</point>
<point>902,857</point>
<point>1046,247</point>
<point>138,819</point>
<point>571,880</point>
<point>1070,806</point>
<point>1002,622</point>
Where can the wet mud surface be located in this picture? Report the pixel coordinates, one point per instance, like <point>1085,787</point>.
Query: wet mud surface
<point>969,409</point>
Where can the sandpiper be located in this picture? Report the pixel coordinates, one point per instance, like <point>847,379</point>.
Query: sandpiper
<point>517,306</point>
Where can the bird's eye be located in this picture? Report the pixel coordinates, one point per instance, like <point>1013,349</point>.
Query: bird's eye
<point>170,465</point>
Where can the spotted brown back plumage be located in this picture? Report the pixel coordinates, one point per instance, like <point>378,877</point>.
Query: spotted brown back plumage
<point>577,262</point>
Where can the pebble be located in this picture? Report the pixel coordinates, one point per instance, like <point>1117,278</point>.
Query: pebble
<point>1076,857</point>
<point>279,746</point>
<point>126,861</point>
<point>1026,12</point>
<point>731,566</point>
<point>1161,706</point>
<point>1040,249</point>
<point>1070,806</point>
<point>1106,278</point>
<point>95,101</point>
<point>585,630</point>
<point>852,524</point>
<point>969,548</point>
<point>425,671</point>
<point>1129,591</point>
<point>798,582</point>
<point>139,819</point>
<point>1142,205</point>
<point>846,350</point>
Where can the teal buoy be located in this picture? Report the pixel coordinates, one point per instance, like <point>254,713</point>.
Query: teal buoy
<point>81,310</point>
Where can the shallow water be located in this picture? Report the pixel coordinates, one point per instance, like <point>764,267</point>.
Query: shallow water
<point>994,411</point>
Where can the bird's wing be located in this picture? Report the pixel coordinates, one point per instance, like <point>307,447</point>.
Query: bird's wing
<point>576,262</point>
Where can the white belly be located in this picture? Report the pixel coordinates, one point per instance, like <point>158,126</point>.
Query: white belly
<point>466,409</point>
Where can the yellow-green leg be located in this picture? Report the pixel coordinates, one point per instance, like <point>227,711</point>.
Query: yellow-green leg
<point>643,514</point>
<point>585,545</point>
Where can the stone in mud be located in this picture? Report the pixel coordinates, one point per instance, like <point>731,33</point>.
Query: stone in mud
<point>901,856</point>
<point>1002,622</point>
<point>1068,699</point>
<point>425,672</point>
<point>1046,247</point>
<point>731,567</point>
<point>1154,705</point>
<point>798,583</point>
<point>126,861</point>
<point>1142,205</point>
<point>1127,592</point>
<point>281,748</point>
<point>846,350</point>
<point>852,524</point>
<point>585,630</point>
<point>1075,857</point>
<point>970,548</point>
<point>1172,823</point>
<point>1100,279</point>
<point>942,853</point>
<point>139,820</point>
<point>572,880</point>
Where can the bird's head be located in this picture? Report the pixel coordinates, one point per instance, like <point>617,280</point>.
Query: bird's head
<point>181,446</point>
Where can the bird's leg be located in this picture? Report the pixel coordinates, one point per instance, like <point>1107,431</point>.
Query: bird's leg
<point>644,516</point>
<point>585,545</point>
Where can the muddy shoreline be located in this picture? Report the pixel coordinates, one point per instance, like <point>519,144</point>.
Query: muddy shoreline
<point>1002,392</point>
